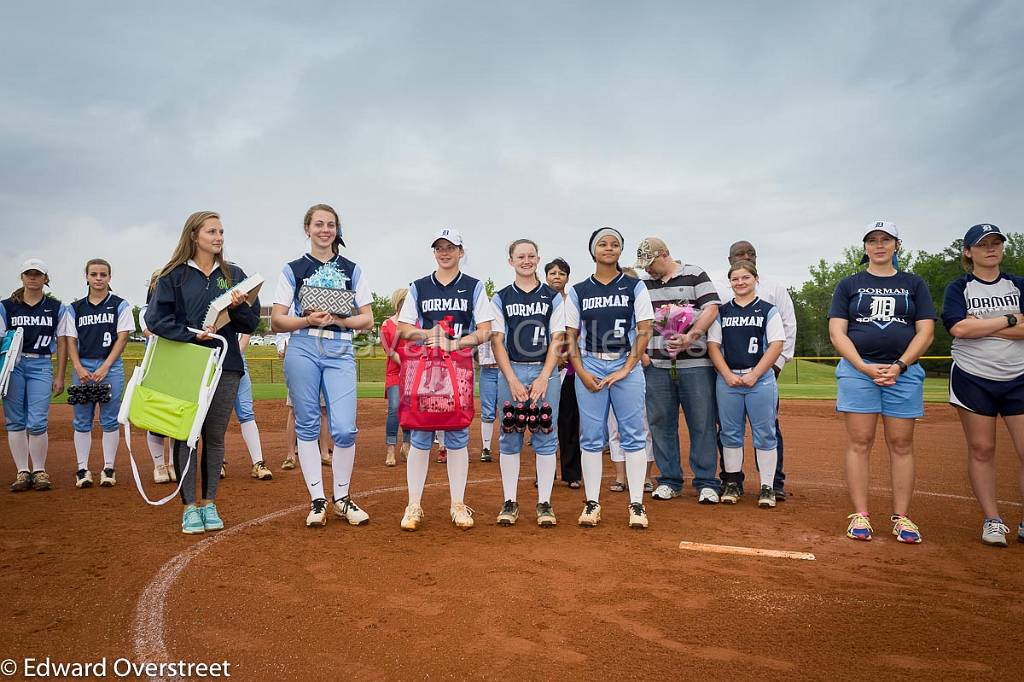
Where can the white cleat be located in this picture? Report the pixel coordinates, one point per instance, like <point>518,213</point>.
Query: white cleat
<point>346,509</point>
<point>160,474</point>
<point>413,517</point>
<point>317,513</point>
<point>462,516</point>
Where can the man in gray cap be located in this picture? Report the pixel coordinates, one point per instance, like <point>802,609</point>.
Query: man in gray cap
<point>679,374</point>
<point>777,295</point>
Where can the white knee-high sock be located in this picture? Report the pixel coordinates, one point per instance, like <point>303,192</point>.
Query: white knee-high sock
<point>309,462</point>
<point>458,472</point>
<point>156,448</point>
<point>767,460</point>
<point>18,441</point>
<point>509,474</point>
<point>341,468</point>
<point>251,436</point>
<point>732,460</point>
<point>545,477</point>
<point>83,444</point>
<point>486,432</point>
<point>111,440</point>
<point>416,473</point>
<point>636,474</point>
<point>592,464</point>
<point>37,447</point>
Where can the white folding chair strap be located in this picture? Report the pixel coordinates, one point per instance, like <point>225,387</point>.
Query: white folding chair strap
<point>138,479</point>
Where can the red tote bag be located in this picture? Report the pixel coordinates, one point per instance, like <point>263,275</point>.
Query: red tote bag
<point>436,389</point>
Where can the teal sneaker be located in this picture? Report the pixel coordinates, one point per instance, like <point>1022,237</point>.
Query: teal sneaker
<point>192,521</point>
<point>211,519</point>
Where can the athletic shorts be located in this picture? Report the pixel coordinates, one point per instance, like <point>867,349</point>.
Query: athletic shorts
<point>859,394</point>
<point>985,396</point>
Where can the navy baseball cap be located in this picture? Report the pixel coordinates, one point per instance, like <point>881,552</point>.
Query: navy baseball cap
<point>978,232</point>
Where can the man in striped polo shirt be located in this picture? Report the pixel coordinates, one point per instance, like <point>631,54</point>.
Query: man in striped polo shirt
<point>679,374</point>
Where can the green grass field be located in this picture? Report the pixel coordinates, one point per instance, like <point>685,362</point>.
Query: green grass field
<point>802,379</point>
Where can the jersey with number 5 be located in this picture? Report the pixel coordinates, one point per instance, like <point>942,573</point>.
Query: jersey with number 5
<point>38,322</point>
<point>606,314</point>
<point>96,326</point>
<point>744,332</point>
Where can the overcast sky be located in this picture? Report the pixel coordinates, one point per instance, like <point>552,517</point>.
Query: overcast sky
<point>789,124</point>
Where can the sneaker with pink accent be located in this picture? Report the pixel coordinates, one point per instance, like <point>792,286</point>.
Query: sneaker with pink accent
<point>859,528</point>
<point>905,530</point>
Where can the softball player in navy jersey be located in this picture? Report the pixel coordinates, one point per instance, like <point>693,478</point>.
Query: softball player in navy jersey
<point>321,360</point>
<point>608,324</point>
<point>529,330</point>
<point>983,312</point>
<point>743,343</point>
<point>97,326</point>
<point>446,293</point>
<point>32,382</point>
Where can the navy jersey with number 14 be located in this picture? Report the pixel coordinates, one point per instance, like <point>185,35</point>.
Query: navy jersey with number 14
<point>528,319</point>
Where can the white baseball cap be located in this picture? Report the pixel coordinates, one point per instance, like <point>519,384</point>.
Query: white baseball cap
<point>449,233</point>
<point>35,264</point>
<point>882,226</point>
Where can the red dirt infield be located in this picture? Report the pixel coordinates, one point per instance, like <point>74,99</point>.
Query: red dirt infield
<point>282,602</point>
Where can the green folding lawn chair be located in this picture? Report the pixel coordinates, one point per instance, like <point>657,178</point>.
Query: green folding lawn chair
<point>10,352</point>
<point>169,394</point>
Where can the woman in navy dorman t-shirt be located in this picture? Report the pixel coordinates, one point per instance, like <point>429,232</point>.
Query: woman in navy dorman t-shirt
<point>881,321</point>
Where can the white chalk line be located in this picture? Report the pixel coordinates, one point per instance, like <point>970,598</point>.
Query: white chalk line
<point>745,551</point>
<point>148,624</point>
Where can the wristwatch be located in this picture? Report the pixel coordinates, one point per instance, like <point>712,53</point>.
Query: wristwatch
<point>902,365</point>
<point>1011,320</point>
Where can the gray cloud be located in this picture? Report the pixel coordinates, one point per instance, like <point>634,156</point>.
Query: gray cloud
<point>787,124</point>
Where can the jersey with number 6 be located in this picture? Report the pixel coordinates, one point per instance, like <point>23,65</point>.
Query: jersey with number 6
<point>606,314</point>
<point>38,322</point>
<point>744,331</point>
<point>96,326</point>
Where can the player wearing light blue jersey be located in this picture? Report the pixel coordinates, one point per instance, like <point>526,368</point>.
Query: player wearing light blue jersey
<point>457,301</point>
<point>27,404</point>
<point>320,359</point>
<point>744,342</point>
<point>97,326</point>
<point>608,324</point>
<point>529,326</point>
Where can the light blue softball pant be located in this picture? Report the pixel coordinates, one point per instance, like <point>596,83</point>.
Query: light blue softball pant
<point>27,404</point>
<point>738,403</point>
<point>627,398</point>
<point>488,393</point>
<point>314,365</point>
<point>84,414</point>
<point>542,443</point>
<point>243,400</point>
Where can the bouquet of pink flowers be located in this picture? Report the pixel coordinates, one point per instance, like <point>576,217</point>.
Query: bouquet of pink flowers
<point>672,319</point>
